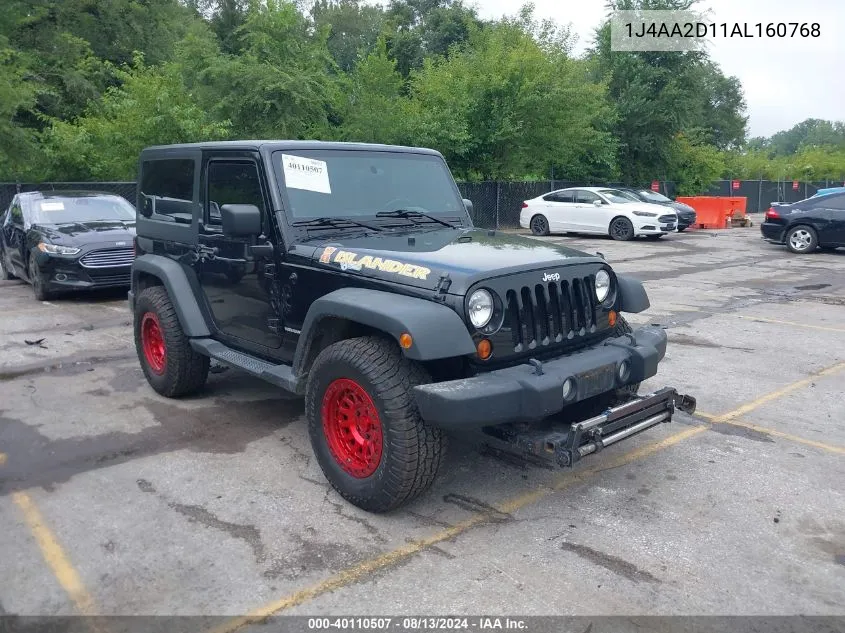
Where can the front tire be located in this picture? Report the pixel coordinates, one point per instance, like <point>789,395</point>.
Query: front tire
<point>365,429</point>
<point>801,240</point>
<point>621,229</point>
<point>539,225</point>
<point>169,362</point>
<point>37,281</point>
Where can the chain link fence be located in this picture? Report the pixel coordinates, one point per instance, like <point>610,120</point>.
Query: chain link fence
<point>498,204</point>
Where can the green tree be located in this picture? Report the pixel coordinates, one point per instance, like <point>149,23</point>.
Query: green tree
<point>511,107</point>
<point>150,107</point>
<point>694,165</point>
<point>354,29</point>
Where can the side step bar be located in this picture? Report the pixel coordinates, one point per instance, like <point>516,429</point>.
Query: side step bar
<point>566,446</point>
<point>279,375</point>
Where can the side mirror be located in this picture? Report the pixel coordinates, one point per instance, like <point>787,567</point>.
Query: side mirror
<point>468,205</point>
<point>148,206</point>
<point>240,220</point>
<point>597,203</point>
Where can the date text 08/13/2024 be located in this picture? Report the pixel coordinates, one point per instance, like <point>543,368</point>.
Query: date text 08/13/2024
<point>419,623</point>
<point>654,30</point>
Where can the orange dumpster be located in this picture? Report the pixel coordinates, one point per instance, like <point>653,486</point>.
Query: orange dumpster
<point>715,212</point>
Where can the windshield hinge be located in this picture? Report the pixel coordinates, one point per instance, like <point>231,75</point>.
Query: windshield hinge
<point>443,284</point>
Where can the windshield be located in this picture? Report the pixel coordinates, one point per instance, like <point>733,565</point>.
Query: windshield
<point>616,196</point>
<point>353,183</point>
<point>82,209</point>
<point>653,196</point>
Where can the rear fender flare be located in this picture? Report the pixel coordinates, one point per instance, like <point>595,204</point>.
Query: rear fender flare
<point>172,275</point>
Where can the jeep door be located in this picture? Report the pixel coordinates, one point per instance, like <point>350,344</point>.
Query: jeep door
<point>233,270</point>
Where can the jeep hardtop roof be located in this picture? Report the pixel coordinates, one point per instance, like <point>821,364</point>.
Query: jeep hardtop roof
<point>272,145</point>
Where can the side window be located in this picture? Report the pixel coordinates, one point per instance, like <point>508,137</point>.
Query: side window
<point>167,190</point>
<point>231,182</point>
<point>586,197</point>
<point>559,196</point>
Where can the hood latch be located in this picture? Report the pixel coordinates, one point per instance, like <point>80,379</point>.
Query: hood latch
<point>443,286</point>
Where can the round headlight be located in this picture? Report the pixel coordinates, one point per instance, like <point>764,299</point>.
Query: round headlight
<point>602,285</point>
<point>480,308</point>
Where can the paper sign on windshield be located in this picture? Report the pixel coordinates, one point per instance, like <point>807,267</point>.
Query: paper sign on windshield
<point>52,206</point>
<point>306,173</point>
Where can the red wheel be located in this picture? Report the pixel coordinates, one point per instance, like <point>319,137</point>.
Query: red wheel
<point>352,427</point>
<point>152,342</point>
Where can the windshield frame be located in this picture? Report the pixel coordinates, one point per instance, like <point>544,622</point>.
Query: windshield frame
<point>287,211</point>
<point>37,215</point>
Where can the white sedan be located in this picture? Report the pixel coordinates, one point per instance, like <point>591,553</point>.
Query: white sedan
<point>597,210</point>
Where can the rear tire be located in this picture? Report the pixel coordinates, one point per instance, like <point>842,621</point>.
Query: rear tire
<point>171,366</point>
<point>539,225</point>
<point>366,431</point>
<point>621,229</point>
<point>801,239</point>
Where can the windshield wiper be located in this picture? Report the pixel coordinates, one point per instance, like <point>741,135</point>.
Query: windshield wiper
<point>328,222</point>
<point>405,213</point>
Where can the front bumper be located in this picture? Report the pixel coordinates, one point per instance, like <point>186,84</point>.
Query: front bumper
<point>63,273</point>
<point>535,391</point>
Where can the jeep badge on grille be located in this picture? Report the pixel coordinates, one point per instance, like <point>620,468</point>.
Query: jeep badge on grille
<point>551,277</point>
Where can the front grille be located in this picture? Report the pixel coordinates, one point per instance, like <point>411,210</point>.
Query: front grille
<point>109,258</point>
<point>550,313</point>
<point>112,280</point>
<point>666,218</point>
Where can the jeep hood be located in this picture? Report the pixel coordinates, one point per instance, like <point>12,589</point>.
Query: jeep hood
<point>422,258</point>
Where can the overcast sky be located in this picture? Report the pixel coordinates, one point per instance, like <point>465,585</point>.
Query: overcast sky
<point>785,81</point>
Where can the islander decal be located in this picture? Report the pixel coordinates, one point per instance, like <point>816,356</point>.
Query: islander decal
<point>350,261</point>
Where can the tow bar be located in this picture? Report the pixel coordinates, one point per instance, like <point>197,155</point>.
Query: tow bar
<point>566,446</point>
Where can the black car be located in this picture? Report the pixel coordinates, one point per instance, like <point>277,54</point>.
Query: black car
<point>351,274</point>
<point>817,222</point>
<point>685,213</point>
<point>61,241</point>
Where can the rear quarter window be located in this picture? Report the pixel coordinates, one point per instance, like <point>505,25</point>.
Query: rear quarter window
<point>167,189</point>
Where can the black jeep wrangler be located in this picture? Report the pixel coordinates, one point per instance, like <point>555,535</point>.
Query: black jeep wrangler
<point>352,274</point>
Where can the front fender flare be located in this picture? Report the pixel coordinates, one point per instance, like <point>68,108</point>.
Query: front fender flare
<point>632,296</point>
<point>182,294</point>
<point>437,331</point>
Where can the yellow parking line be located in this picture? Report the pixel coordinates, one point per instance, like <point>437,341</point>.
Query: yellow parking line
<point>774,395</point>
<point>793,323</point>
<point>362,570</point>
<point>54,555</point>
<point>2,458</point>
<point>794,438</point>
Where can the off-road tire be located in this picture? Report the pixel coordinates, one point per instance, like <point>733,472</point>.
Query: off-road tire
<point>621,229</point>
<point>411,450</point>
<point>809,244</point>
<point>628,391</point>
<point>185,371</point>
<point>35,279</point>
<point>539,225</point>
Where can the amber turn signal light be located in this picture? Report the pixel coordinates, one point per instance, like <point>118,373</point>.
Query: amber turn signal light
<point>484,349</point>
<point>405,341</point>
<point>611,318</point>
